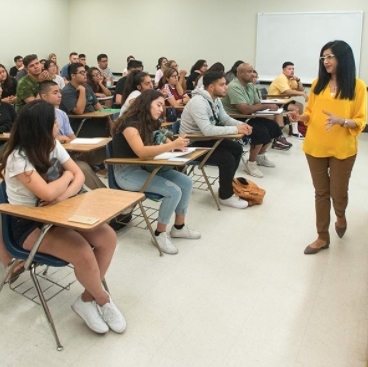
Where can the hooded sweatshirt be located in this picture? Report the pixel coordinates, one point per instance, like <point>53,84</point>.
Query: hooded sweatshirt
<point>203,115</point>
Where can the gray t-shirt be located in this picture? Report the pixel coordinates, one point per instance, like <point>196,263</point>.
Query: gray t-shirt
<point>69,98</point>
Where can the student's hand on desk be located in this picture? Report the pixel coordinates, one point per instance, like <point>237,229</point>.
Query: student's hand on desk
<point>181,143</point>
<point>64,139</point>
<point>244,129</point>
<point>272,107</point>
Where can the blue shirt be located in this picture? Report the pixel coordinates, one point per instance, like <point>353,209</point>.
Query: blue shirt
<point>64,124</point>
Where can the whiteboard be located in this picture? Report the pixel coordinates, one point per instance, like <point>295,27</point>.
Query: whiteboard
<point>299,37</point>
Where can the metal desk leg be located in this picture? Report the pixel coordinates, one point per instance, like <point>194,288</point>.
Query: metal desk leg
<point>80,127</point>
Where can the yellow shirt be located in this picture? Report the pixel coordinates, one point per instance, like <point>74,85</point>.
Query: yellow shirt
<point>281,84</point>
<point>339,142</point>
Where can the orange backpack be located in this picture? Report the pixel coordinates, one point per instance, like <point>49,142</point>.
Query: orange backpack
<point>248,190</point>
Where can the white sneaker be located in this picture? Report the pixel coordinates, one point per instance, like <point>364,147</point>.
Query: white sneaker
<point>89,313</point>
<point>112,316</point>
<point>262,160</point>
<point>298,136</point>
<point>185,232</point>
<point>235,202</point>
<point>252,169</point>
<point>165,244</point>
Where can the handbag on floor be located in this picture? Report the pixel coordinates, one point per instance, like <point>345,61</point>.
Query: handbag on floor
<point>248,190</point>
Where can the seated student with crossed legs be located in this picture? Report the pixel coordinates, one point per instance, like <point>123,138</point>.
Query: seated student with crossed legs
<point>23,165</point>
<point>132,138</point>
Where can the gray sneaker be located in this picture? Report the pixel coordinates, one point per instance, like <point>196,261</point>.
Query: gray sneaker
<point>165,244</point>
<point>262,160</point>
<point>252,169</point>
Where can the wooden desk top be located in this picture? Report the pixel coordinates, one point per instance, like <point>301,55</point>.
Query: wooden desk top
<point>102,203</point>
<point>4,136</point>
<point>158,162</point>
<point>92,115</point>
<point>213,137</point>
<point>86,147</point>
<point>240,116</point>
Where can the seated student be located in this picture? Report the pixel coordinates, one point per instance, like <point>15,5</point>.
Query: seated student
<point>98,84</point>
<point>176,96</point>
<point>51,68</point>
<point>182,73</point>
<point>18,66</point>
<point>198,69</point>
<point>119,89</point>
<point>73,59</point>
<point>7,117</point>
<point>217,66</point>
<point>27,87</point>
<point>53,57</point>
<point>103,63</point>
<point>204,114</point>
<point>136,83</point>
<point>161,65</point>
<point>231,74</point>
<point>8,85</point>
<point>82,60</point>
<point>242,97</point>
<point>23,166</point>
<point>125,71</point>
<point>133,137</point>
<point>289,84</point>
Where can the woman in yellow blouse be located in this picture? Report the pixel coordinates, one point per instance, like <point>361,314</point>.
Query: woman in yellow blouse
<point>335,116</point>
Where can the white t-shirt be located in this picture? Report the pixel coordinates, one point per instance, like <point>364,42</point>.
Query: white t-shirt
<point>158,76</point>
<point>60,81</point>
<point>18,163</point>
<point>126,104</point>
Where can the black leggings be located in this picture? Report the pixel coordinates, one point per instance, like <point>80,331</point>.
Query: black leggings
<point>227,157</point>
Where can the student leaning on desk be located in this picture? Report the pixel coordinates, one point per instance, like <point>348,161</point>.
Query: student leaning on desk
<point>133,138</point>
<point>23,166</point>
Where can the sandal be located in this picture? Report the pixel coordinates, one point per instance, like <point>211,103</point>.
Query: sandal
<point>16,273</point>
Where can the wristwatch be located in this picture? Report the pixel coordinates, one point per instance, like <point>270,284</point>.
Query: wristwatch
<point>345,124</point>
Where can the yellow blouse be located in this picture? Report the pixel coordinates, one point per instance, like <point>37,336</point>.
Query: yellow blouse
<point>339,142</point>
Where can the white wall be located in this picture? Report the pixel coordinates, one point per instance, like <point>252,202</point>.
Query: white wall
<point>187,30</point>
<point>34,26</point>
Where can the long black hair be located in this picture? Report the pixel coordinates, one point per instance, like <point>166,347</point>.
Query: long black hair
<point>234,68</point>
<point>197,65</point>
<point>140,113</point>
<point>32,135</point>
<point>345,72</point>
<point>134,79</point>
<point>8,85</point>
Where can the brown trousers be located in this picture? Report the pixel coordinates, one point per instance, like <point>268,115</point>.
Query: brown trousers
<point>330,178</point>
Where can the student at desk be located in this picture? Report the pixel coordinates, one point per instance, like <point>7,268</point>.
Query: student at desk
<point>132,138</point>
<point>23,166</point>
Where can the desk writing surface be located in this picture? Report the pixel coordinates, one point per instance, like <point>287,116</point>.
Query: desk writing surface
<point>86,147</point>
<point>158,162</point>
<point>213,137</point>
<point>102,203</point>
<point>92,115</point>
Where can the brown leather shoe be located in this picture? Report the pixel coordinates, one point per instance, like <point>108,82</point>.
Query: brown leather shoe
<point>313,250</point>
<point>340,230</point>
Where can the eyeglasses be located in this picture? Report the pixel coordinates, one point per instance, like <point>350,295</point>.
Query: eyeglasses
<point>327,57</point>
<point>205,64</point>
<point>83,72</point>
<point>97,74</point>
<point>174,76</point>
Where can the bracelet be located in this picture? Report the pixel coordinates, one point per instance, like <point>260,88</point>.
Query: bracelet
<point>345,124</point>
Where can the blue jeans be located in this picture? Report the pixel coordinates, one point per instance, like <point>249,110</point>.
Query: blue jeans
<point>174,186</point>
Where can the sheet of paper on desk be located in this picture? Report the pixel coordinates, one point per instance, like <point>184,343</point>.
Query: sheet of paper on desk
<point>273,100</point>
<point>269,112</point>
<point>170,155</point>
<point>87,141</point>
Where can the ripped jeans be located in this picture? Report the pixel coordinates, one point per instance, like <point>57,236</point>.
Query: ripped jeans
<point>174,186</point>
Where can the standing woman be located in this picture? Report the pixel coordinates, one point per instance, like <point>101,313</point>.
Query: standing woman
<point>198,69</point>
<point>176,97</point>
<point>51,67</point>
<point>23,166</point>
<point>132,138</point>
<point>335,116</point>
<point>8,85</point>
<point>161,65</point>
<point>98,84</point>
